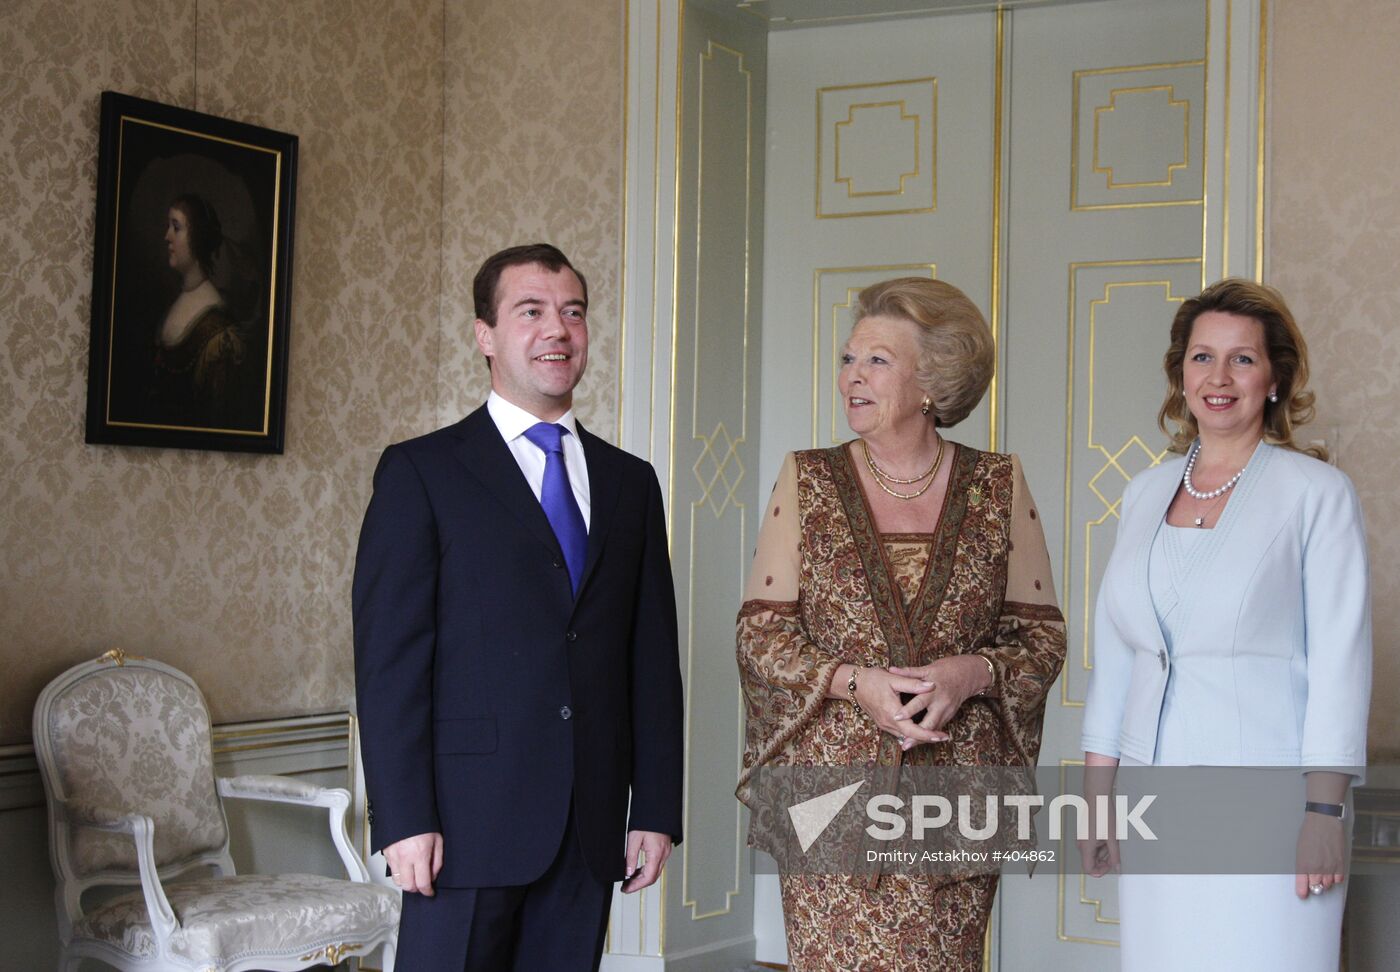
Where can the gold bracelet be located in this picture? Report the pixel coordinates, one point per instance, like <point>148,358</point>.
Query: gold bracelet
<point>851,685</point>
<point>992,672</point>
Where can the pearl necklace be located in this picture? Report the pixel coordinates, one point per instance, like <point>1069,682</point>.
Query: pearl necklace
<point>1199,494</point>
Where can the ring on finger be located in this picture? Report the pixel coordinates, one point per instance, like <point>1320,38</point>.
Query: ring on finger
<point>1317,888</point>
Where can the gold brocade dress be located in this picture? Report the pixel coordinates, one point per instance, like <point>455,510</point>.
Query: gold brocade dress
<point>828,588</point>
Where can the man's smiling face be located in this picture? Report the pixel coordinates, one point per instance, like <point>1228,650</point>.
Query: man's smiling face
<point>539,344</point>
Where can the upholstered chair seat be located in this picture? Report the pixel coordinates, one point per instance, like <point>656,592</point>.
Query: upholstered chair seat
<point>123,746</point>
<point>228,920</point>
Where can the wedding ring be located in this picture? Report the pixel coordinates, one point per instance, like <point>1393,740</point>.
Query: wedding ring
<point>1317,888</point>
<point>903,740</point>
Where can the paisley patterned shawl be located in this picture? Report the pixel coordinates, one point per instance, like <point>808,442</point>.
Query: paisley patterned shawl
<point>822,592</point>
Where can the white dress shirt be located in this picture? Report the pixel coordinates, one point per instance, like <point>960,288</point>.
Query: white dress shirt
<point>512,421</point>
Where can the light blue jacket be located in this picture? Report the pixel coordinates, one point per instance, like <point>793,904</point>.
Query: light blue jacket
<point>1272,665</point>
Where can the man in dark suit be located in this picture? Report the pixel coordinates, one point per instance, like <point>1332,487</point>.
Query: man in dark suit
<point>515,655</point>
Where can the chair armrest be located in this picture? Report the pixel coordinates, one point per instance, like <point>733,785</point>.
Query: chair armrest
<point>281,789</point>
<point>284,789</point>
<point>142,830</point>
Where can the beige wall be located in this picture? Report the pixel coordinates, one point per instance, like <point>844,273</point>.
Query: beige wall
<point>1334,252</point>
<point>424,146</point>
<point>414,165</point>
<point>534,151</point>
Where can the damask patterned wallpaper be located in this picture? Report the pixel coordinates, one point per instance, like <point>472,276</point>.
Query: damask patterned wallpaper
<point>1334,249</point>
<point>413,167</point>
<point>533,152</point>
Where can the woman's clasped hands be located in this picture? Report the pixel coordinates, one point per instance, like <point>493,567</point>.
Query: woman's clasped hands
<point>934,694</point>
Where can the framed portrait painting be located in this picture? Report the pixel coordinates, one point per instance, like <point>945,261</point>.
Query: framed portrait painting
<point>192,282</point>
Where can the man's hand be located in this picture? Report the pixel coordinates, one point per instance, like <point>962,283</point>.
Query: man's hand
<point>655,848</point>
<point>414,862</point>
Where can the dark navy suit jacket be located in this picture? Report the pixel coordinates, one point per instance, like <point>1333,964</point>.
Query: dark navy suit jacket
<point>489,696</point>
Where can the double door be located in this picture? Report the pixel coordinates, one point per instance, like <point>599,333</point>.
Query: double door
<point>1078,169</point>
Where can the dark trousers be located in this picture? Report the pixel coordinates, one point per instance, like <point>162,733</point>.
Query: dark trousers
<point>556,924</point>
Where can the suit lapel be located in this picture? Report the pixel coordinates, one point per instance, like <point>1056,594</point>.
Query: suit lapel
<point>489,461</point>
<point>604,488</point>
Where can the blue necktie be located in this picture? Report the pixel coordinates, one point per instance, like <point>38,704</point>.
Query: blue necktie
<point>557,498</point>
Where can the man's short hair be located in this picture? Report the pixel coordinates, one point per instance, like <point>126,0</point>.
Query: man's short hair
<point>489,276</point>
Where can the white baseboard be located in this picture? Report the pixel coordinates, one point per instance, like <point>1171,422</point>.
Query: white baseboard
<point>632,963</point>
<point>713,957</point>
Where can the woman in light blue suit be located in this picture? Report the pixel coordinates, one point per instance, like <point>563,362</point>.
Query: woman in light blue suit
<point>1234,629</point>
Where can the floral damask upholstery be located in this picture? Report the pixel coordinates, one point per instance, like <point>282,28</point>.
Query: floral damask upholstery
<point>223,920</point>
<point>123,745</point>
<point>136,740</point>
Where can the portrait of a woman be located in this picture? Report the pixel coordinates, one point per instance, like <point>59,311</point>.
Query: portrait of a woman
<point>1233,628</point>
<point>900,612</point>
<point>198,350</point>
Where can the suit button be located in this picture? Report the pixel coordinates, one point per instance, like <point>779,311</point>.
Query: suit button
<point>558,563</point>
<point>566,713</point>
<point>1162,657</point>
<point>571,636</point>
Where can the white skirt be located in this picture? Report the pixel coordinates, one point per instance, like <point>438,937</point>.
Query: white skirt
<point>1227,922</point>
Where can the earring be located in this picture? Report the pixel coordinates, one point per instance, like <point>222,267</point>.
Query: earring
<point>928,403</point>
<point>1273,396</point>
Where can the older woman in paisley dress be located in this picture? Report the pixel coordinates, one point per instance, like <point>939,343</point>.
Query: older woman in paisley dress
<point>898,565</point>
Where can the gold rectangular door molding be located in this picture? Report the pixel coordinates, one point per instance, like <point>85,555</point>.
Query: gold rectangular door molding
<point>877,148</point>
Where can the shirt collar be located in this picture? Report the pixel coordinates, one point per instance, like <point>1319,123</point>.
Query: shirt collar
<point>512,420</point>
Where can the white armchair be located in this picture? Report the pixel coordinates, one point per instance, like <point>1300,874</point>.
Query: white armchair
<point>123,745</point>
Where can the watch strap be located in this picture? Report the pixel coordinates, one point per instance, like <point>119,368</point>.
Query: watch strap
<point>1329,809</point>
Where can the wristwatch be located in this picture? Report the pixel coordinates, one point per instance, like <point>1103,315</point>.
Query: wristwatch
<point>1329,809</point>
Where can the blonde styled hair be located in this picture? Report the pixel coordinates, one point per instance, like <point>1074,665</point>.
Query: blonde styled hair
<point>1283,343</point>
<point>956,353</point>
